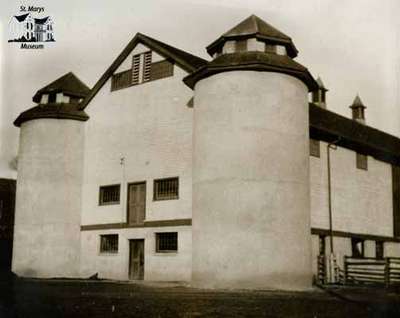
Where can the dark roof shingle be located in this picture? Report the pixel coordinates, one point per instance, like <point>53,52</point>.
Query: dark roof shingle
<point>68,83</point>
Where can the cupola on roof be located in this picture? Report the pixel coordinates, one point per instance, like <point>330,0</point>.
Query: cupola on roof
<point>253,45</point>
<point>321,85</point>
<point>254,27</point>
<point>72,90</point>
<point>68,84</point>
<point>357,103</point>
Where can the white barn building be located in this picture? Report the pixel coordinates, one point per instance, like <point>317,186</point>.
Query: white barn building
<point>174,168</point>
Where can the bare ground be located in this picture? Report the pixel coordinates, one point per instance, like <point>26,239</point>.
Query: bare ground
<point>69,298</point>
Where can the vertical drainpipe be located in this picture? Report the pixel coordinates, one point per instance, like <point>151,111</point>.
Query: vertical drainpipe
<point>122,193</point>
<point>332,260</point>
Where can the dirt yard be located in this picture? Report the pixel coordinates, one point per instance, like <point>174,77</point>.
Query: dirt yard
<point>57,298</point>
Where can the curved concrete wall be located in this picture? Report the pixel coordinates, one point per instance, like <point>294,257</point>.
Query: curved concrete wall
<point>251,205</point>
<point>48,203</point>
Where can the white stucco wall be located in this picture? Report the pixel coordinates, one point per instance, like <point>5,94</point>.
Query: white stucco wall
<point>361,199</point>
<point>48,202</point>
<point>157,266</point>
<point>251,220</point>
<point>151,127</point>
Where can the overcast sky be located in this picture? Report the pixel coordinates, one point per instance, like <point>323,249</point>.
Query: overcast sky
<point>353,45</point>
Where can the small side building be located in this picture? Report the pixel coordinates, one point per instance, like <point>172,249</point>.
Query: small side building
<point>7,210</point>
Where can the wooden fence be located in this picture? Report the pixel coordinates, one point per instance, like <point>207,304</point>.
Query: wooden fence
<point>369,270</point>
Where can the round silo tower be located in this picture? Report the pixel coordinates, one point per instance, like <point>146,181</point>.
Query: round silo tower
<point>251,204</point>
<point>50,167</point>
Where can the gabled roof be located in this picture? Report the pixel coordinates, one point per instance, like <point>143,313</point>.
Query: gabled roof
<point>68,83</point>
<point>42,20</point>
<point>187,61</point>
<point>21,17</point>
<point>253,26</point>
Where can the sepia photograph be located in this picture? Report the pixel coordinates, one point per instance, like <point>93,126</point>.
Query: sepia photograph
<point>198,158</point>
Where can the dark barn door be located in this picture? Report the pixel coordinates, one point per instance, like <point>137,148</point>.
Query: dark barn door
<point>136,259</point>
<point>136,203</point>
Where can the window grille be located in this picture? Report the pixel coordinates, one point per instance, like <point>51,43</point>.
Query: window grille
<point>109,194</point>
<point>166,242</point>
<point>146,66</point>
<point>161,69</point>
<point>314,148</point>
<point>135,69</point>
<point>121,80</point>
<point>241,46</point>
<point>362,161</point>
<point>166,189</point>
<point>109,243</point>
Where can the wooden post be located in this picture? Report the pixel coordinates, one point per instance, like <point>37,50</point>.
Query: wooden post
<point>387,272</point>
<point>345,271</point>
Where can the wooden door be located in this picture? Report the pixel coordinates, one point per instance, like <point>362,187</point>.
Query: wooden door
<point>136,203</point>
<point>136,259</point>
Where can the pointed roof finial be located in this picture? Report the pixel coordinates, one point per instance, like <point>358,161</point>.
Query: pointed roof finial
<point>358,110</point>
<point>357,102</point>
<point>321,84</point>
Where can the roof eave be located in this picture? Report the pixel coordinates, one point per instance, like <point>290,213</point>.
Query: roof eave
<point>206,71</point>
<point>288,43</point>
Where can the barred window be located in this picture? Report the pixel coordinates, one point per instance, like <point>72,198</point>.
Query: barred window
<point>362,161</point>
<point>314,148</point>
<point>146,66</point>
<point>166,189</point>
<point>121,80</point>
<point>109,194</point>
<point>167,242</point>
<point>109,243</point>
<point>241,46</point>
<point>161,69</point>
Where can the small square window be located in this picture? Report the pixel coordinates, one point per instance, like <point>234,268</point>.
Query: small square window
<point>357,247</point>
<point>362,161</point>
<point>315,148</point>
<point>167,242</point>
<point>166,189</point>
<point>109,243</point>
<point>109,194</point>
